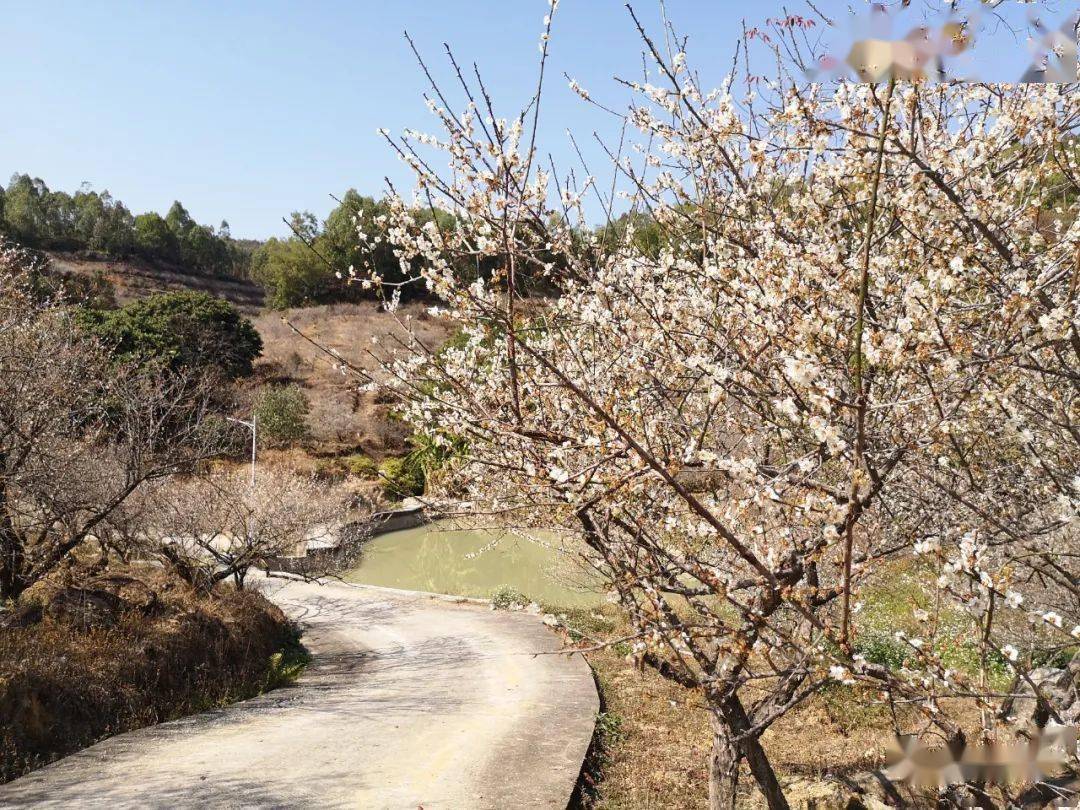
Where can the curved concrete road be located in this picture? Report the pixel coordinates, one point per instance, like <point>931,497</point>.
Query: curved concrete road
<point>410,702</point>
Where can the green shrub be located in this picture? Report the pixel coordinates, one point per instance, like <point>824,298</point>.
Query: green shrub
<point>362,466</point>
<point>178,330</point>
<point>401,477</point>
<point>1058,658</point>
<point>281,412</point>
<point>882,649</point>
<point>430,454</point>
<point>508,598</point>
<point>288,663</point>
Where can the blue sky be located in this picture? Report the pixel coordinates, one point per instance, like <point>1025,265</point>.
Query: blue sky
<point>248,110</point>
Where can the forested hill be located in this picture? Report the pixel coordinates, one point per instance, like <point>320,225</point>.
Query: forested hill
<point>91,232</point>
<point>96,225</point>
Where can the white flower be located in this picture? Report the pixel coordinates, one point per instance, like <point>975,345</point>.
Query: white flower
<point>559,475</point>
<point>1052,617</point>
<point>800,372</point>
<point>925,546</point>
<point>842,674</point>
<point>788,407</point>
<point>1010,652</point>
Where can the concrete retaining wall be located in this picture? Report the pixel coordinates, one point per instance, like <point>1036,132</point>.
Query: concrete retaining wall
<point>352,536</point>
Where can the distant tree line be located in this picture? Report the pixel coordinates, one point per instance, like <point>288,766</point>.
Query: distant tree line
<point>311,266</point>
<point>95,222</point>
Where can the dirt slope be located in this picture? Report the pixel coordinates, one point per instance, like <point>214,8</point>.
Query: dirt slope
<point>137,279</point>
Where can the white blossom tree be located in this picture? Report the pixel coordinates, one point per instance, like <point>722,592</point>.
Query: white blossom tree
<point>856,344</point>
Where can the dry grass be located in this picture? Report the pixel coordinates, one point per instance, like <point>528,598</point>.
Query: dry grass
<point>135,278</point>
<point>79,665</point>
<point>653,738</point>
<point>342,418</point>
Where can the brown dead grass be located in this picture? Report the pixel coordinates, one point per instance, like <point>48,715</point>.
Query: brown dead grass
<point>653,740</point>
<point>136,278</point>
<point>69,678</point>
<point>342,418</point>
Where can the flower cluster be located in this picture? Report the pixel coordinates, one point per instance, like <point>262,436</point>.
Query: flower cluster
<point>850,342</point>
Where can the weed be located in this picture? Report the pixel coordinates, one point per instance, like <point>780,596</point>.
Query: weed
<point>362,466</point>
<point>287,663</point>
<point>508,598</point>
<point>400,478</point>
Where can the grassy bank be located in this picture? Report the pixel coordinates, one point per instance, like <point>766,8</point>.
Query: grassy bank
<point>81,664</point>
<point>653,740</point>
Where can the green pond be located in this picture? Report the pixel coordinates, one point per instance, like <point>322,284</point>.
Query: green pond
<point>442,558</point>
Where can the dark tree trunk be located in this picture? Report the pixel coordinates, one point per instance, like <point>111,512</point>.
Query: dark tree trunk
<point>729,723</point>
<point>723,767</point>
<point>13,580</point>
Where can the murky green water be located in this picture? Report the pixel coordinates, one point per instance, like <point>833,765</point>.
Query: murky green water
<point>443,559</point>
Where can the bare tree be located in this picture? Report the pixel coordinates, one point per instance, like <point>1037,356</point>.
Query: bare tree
<point>79,435</point>
<point>217,527</point>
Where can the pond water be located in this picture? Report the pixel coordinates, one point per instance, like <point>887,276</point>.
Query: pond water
<point>444,558</point>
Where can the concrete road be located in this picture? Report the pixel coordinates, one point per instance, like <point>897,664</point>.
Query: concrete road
<point>410,702</point>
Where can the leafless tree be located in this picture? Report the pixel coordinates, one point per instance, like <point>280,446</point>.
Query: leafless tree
<point>217,527</point>
<point>79,434</point>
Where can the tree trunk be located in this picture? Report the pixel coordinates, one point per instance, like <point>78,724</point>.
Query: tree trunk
<point>12,579</point>
<point>723,766</point>
<point>12,554</point>
<point>729,722</point>
<point>764,775</point>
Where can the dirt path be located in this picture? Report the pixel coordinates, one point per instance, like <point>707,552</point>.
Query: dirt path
<point>410,702</point>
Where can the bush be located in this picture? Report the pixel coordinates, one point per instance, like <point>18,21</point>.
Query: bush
<point>178,330</point>
<point>401,477</point>
<point>281,412</point>
<point>362,466</point>
<point>508,598</point>
<point>882,649</point>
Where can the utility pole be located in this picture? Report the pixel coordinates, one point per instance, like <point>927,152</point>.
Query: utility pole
<point>253,427</point>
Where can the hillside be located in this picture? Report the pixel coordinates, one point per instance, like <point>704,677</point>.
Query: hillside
<point>135,278</point>
<point>342,418</point>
